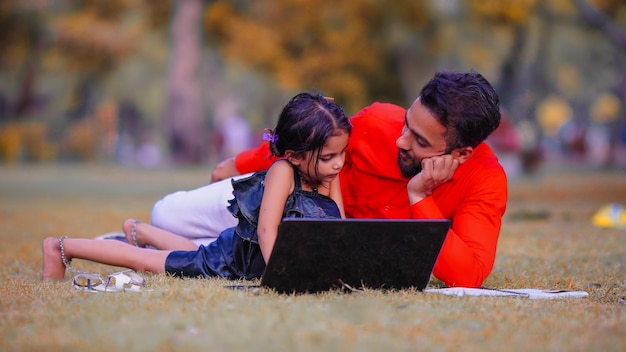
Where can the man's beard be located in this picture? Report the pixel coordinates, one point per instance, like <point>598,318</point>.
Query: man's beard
<point>408,167</point>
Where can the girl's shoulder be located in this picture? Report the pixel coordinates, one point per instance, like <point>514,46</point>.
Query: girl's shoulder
<point>281,173</point>
<point>281,167</point>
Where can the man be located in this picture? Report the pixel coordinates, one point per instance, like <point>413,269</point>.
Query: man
<point>427,162</point>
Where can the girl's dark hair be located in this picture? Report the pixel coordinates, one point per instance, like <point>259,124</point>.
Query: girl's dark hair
<point>305,124</point>
<point>465,103</point>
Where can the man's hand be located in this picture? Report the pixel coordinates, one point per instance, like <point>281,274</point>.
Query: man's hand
<point>225,169</point>
<point>435,172</point>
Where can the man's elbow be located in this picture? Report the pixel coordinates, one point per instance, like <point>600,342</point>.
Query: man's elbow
<point>463,278</point>
<point>224,169</point>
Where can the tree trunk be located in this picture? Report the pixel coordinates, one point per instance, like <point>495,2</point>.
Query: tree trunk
<point>184,119</point>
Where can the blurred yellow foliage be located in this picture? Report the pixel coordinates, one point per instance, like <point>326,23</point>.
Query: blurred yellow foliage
<point>607,6</point>
<point>552,113</point>
<point>29,139</point>
<point>95,136</point>
<point>93,42</point>
<point>88,139</point>
<point>565,7</point>
<point>511,11</point>
<point>606,108</point>
<point>325,45</point>
<point>568,80</point>
<point>479,57</point>
<point>10,143</point>
<point>81,140</point>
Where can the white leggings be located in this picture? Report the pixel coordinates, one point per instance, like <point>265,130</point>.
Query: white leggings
<point>199,214</point>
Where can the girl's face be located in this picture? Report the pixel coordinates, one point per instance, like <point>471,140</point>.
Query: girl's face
<point>329,161</point>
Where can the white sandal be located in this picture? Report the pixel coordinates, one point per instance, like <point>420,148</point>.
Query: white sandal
<point>126,280</point>
<point>121,281</point>
<point>88,282</point>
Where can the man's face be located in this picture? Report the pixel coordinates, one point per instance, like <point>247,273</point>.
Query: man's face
<point>422,137</point>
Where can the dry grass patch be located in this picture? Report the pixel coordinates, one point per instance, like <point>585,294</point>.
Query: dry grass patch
<point>546,242</point>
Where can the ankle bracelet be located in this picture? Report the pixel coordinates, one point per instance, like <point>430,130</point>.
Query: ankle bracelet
<point>133,233</point>
<point>66,262</point>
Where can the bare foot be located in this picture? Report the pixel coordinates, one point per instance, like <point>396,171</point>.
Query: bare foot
<point>128,229</point>
<point>53,267</point>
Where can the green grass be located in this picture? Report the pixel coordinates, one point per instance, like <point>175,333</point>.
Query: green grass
<point>547,241</point>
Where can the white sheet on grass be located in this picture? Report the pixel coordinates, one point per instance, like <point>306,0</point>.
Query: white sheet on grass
<point>531,293</point>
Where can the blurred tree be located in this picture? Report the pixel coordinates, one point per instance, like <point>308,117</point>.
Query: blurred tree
<point>82,41</point>
<point>92,39</point>
<point>351,49</point>
<point>609,17</point>
<point>22,43</point>
<point>184,114</point>
<point>356,50</point>
<point>572,49</point>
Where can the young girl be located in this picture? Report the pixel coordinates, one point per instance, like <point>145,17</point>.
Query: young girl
<point>311,137</point>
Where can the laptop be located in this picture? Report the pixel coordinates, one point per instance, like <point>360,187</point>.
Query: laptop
<point>314,255</point>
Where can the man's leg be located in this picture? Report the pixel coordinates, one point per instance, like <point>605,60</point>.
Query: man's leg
<point>199,214</point>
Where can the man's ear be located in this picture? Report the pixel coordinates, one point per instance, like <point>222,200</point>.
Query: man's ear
<point>462,154</point>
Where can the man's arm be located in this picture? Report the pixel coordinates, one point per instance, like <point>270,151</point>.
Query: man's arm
<point>251,160</point>
<point>225,169</point>
<point>469,251</point>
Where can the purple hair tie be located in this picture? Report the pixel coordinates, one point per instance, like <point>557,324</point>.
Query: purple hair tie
<point>270,136</point>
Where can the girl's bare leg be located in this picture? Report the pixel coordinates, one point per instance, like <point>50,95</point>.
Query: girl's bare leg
<point>148,235</point>
<point>106,252</point>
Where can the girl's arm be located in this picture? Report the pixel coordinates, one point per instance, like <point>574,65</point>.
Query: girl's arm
<point>278,185</point>
<point>335,194</point>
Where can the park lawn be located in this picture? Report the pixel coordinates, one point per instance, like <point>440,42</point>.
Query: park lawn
<point>547,241</point>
